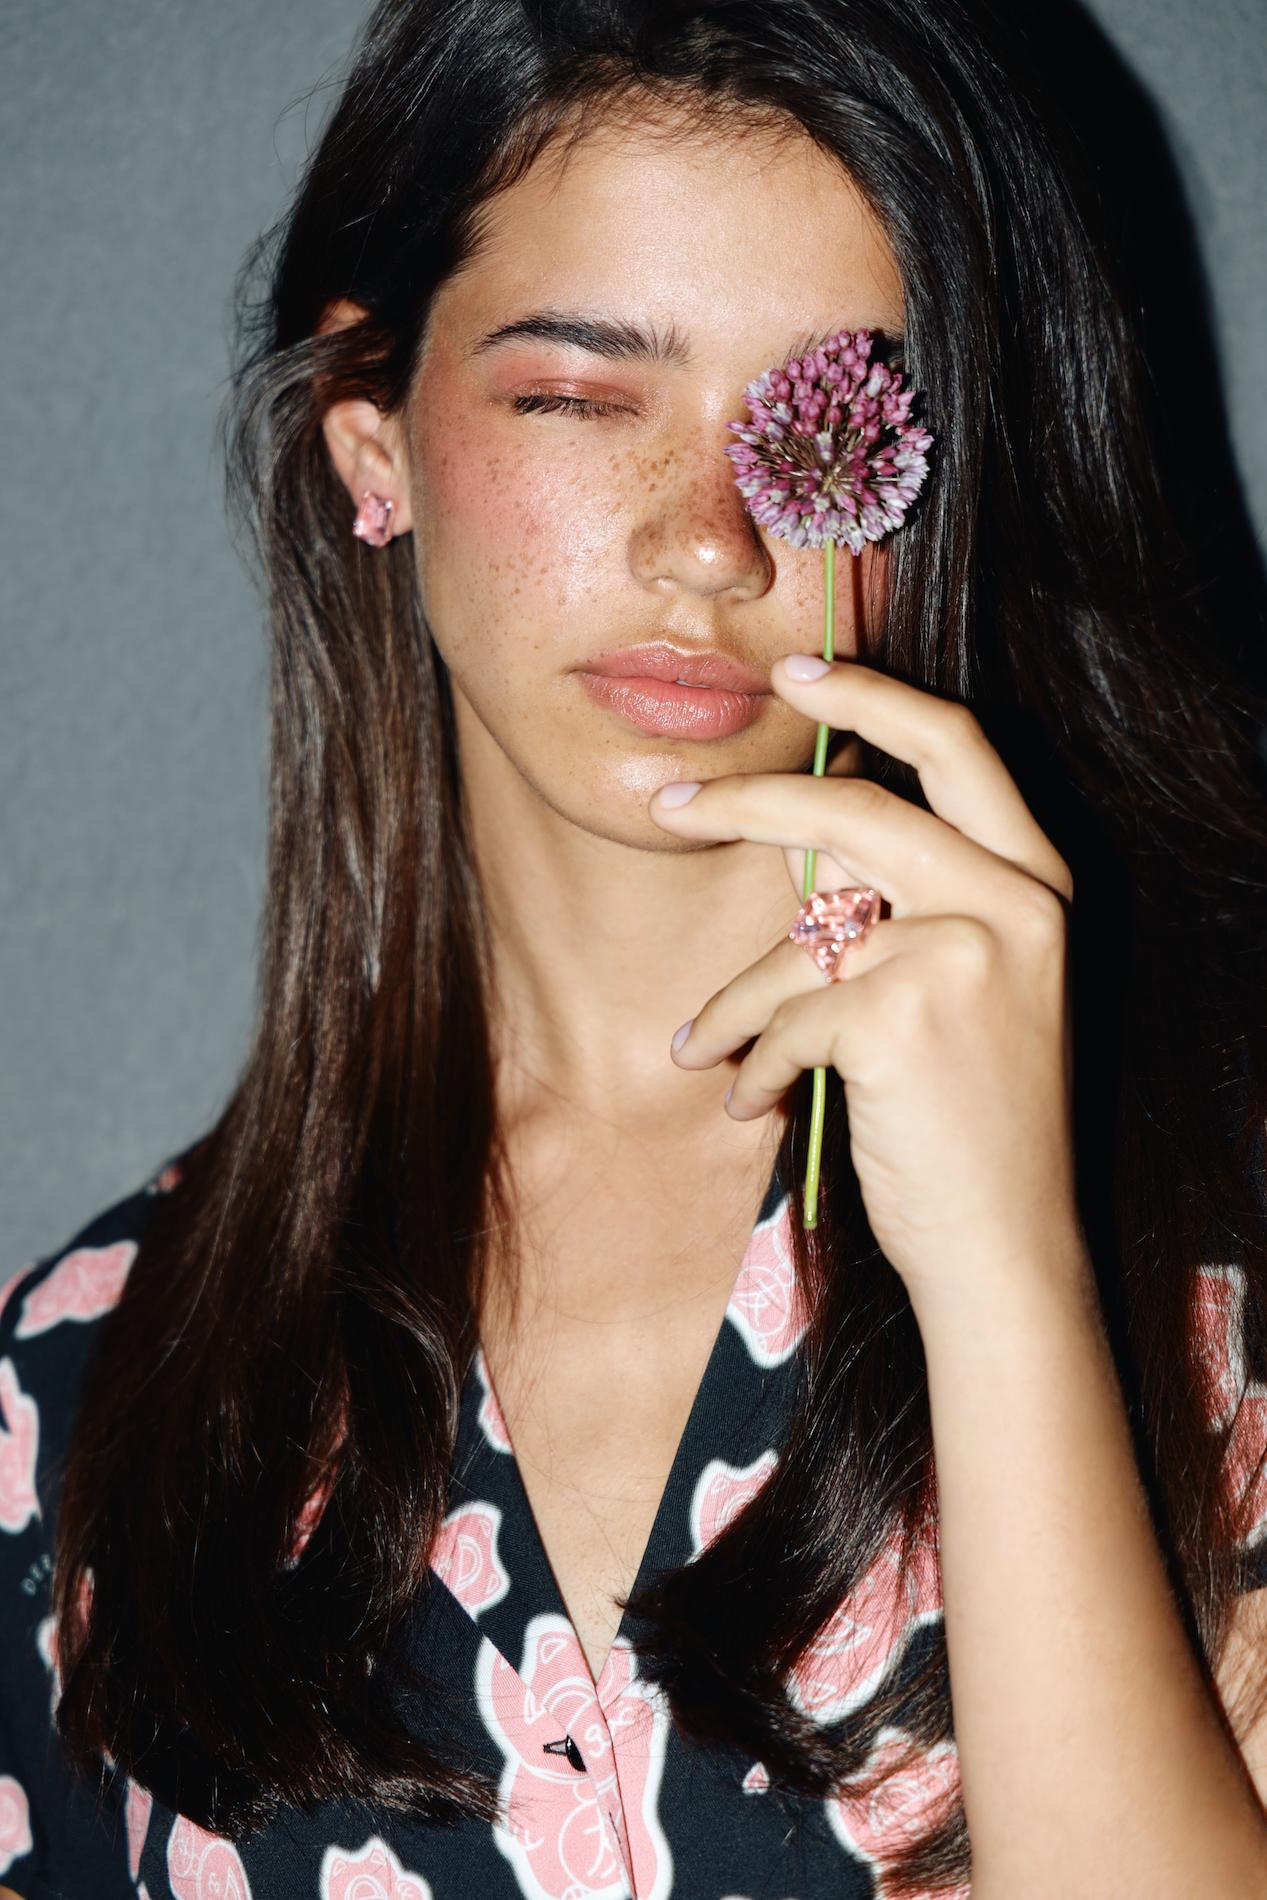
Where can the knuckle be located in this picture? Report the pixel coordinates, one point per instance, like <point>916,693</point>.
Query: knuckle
<point>1039,915</point>
<point>782,1015</point>
<point>955,727</point>
<point>962,723</point>
<point>970,945</point>
<point>866,794</point>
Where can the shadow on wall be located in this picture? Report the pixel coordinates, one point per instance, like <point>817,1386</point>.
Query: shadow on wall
<point>1121,129</point>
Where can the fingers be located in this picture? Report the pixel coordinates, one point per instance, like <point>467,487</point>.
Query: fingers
<point>804,1032</point>
<point>917,861</point>
<point>743,1009</point>
<point>801,1021</point>
<point>748,1004</point>
<point>963,778</point>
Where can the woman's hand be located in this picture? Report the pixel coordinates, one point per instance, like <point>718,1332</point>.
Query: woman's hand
<point>949,1026</point>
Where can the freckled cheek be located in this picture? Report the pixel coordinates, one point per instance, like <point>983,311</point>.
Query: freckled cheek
<point>524,535</point>
<point>861,595</point>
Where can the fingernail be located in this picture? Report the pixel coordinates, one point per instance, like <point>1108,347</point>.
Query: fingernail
<point>679,792</point>
<point>805,666</point>
<point>680,1035</point>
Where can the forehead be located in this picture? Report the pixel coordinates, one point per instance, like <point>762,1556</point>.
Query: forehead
<point>734,239</point>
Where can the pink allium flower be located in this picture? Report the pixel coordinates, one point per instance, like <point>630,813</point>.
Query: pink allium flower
<point>830,453</point>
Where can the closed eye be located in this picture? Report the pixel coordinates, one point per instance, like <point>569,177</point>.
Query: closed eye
<point>539,402</point>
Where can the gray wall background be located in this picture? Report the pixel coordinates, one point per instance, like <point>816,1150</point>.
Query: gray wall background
<point>144,144</point>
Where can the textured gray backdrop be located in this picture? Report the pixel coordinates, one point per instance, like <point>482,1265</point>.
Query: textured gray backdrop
<point>144,144</point>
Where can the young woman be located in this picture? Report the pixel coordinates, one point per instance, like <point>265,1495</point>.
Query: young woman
<point>463,1472</point>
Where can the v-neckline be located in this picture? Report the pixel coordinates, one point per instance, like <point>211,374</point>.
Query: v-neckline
<point>772,1208</point>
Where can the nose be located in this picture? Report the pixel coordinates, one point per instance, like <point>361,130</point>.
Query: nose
<point>693,530</point>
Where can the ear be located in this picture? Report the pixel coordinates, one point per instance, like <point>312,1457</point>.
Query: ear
<point>366,447</point>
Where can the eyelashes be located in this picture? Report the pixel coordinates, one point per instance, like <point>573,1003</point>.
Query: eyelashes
<point>587,408</point>
<point>543,402</point>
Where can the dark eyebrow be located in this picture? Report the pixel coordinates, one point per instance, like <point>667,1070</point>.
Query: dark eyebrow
<point>601,336</point>
<point>634,342</point>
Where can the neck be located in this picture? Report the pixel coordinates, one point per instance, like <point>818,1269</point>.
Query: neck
<point>601,948</point>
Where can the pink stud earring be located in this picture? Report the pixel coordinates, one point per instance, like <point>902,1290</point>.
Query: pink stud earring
<point>373,519</point>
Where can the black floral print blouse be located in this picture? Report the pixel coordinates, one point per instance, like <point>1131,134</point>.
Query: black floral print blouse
<point>600,1796</point>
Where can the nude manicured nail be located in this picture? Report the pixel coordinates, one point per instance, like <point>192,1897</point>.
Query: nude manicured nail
<point>678,793</point>
<point>805,666</point>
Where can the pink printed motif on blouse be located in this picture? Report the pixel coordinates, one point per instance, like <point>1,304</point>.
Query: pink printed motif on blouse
<point>491,1422</point>
<point>82,1286</point>
<point>563,1830</point>
<point>373,1872</point>
<point>15,1822</point>
<point>19,1449</point>
<point>10,1286</point>
<point>919,1789</point>
<point>136,1816</point>
<point>766,1305</point>
<point>464,1557</point>
<point>721,1492</point>
<point>202,1866</point>
<point>1218,1319</point>
<point>843,1666</point>
<point>638,1722</point>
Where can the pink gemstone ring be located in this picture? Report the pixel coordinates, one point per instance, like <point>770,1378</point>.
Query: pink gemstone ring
<point>829,921</point>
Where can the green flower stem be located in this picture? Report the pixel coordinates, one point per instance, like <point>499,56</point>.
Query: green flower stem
<point>819,1101</point>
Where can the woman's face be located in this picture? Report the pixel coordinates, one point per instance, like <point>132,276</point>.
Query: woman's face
<point>547,538</point>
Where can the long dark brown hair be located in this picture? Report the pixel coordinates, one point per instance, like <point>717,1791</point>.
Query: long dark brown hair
<point>305,1301</point>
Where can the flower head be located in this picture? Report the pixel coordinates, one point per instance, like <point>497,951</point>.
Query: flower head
<point>829,453</point>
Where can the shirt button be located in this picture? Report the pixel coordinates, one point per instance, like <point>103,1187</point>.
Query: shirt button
<point>566,1746</point>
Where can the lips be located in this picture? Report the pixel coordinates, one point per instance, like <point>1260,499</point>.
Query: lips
<point>705,668</point>
<point>669,711</point>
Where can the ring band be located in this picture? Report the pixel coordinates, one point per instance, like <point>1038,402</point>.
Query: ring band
<point>829,921</point>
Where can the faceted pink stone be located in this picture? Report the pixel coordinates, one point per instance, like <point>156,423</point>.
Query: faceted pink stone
<point>828,921</point>
<point>373,520</point>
